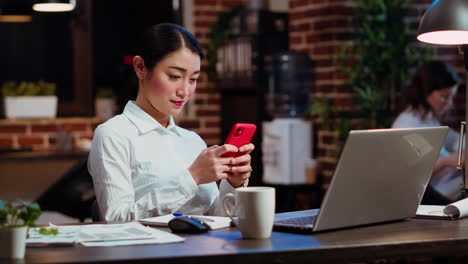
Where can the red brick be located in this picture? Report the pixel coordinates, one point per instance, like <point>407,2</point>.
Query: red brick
<point>44,128</point>
<point>205,13</point>
<point>328,165</point>
<point>295,15</point>
<point>203,24</point>
<point>202,90</point>
<point>6,142</point>
<point>344,101</point>
<point>322,152</point>
<point>326,24</point>
<point>199,101</point>
<point>343,89</point>
<point>74,127</point>
<point>325,50</point>
<point>205,2</point>
<point>211,124</point>
<point>231,3</point>
<point>324,88</point>
<point>207,113</point>
<point>12,129</point>
<point>190,124</point>
<point>213,100</point>
<point>30,140</point>
<point>323,63</point>
<point>323,75</point>
<point>296,40</point>
<point>340,76</point>
<point>90,137</point>
<point>327,139</point>
<point>320,37</point>
<point>297,3</point>
<point>52,140</point>
<point>209,135</point>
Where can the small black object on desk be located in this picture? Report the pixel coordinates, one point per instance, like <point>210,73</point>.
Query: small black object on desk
<point>188,224</point>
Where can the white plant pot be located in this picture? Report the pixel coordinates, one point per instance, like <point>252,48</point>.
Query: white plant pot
<point>105,108</point>
<point>30,107</point>
<point>13,242</point>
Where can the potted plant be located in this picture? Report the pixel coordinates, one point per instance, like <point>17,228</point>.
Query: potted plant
<point>382,57</point>
<point>15,218</point>
<point>29,99</point>
<point>105,105</point>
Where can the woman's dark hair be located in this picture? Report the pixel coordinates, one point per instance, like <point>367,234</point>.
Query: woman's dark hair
<point>432,76</point>
<point>153,45</point>
<point>162,39</point>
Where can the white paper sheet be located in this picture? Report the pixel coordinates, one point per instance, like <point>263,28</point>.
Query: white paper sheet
<point>132,233</point>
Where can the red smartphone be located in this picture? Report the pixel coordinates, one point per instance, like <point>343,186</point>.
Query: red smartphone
<point>241,134</point>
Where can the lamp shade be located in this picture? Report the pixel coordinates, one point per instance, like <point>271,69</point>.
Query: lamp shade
<point>445,22</point>
<point>54,5</point>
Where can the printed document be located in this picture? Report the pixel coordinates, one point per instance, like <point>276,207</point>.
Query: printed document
<point>102,235</point>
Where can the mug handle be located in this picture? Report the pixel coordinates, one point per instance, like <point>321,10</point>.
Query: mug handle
<point>226,209</point>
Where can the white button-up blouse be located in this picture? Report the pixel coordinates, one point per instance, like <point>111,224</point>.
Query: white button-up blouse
<point>140,169</point>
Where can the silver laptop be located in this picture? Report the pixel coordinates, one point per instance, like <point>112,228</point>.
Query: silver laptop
<point>381,176</point>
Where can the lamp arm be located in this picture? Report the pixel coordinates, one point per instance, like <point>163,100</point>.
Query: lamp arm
<point>460,145</point>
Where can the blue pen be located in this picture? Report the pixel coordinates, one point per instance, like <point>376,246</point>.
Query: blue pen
<point>201,218</point>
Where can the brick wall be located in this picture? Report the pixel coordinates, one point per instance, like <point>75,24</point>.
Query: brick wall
<point>42,134</point>
<point>204,116</point>
<point>319,27</point>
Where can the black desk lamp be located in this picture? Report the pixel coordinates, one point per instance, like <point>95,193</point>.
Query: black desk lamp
<point>446,23</point>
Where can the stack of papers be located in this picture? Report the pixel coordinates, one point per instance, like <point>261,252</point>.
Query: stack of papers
<point>100,235</point>
<point>454,210</point>
<point>214,222</point>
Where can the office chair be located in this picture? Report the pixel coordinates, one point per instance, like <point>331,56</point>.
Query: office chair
<point>72,195</point>
<point>95,214</point>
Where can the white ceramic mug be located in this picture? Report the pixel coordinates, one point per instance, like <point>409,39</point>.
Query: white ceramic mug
<point>256,211</point>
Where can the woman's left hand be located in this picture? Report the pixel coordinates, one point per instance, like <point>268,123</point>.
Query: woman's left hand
<point>240,166</point>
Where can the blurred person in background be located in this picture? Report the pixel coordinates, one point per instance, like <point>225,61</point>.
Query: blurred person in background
<point>427,101</point>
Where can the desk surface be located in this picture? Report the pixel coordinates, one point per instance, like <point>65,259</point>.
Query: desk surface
<point>412,237</point>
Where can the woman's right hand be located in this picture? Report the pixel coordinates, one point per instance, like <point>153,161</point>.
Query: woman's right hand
<point>209,166</point>
<point>452,160</point>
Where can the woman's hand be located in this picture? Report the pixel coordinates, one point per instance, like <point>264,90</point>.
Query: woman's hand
<point>240,166</point>
<point>210,166</point>
<point>452,160</point>
<point>448,161</point>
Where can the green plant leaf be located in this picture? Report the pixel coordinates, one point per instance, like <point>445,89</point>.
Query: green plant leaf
<point>48,231</point>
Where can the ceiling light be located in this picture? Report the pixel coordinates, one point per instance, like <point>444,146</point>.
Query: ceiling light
<point>54,6</point>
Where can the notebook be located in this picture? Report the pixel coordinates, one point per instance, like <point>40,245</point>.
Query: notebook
<point>381,176</point>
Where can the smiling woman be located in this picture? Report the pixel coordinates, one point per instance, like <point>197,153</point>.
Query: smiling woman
<point>143,164</point>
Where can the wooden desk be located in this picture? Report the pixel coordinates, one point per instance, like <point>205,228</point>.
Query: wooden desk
<point>410,238</point>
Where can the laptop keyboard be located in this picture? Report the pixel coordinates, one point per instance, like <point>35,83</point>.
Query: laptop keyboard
<point>298,221</point>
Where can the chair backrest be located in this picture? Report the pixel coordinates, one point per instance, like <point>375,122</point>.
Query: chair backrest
<point>72,195</point>
<point>95,214</point>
